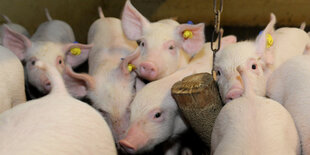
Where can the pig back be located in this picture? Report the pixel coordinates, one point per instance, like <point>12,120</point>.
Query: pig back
<point>290,80</point>
<point>72,127</point>
<point>107,32</point>
<point>12,80</point>
<point>255,125</point>
<point>289,42</point>
<point>55,31</point>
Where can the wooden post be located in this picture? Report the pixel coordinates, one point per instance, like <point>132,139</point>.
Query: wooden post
<point>199,101</point>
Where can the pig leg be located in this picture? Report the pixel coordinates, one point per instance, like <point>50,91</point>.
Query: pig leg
<point>186,151</point>
<point>174,149</point>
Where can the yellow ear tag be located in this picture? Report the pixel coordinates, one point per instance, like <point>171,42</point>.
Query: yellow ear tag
<point>131,67</point>
<point>269,41</point>
<point>187,34</point>
<point>75,51</point>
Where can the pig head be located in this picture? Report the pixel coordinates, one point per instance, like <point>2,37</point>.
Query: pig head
<point>114,90</point>
<point>114,86</point>
<point>53,53</point>
<point>271,48</point>
<point>153,119</point>
<point>161,44</point>
<point>154,114</point>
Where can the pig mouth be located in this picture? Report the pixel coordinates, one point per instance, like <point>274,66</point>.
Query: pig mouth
<point>233,93</point>
<point>33,92</point>
<point>127,149</point>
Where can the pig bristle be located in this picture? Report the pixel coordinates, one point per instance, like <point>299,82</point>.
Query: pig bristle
<point>7,19</point>
<point>48,16</point>
<point>101,15</point>
<point>303,25</point>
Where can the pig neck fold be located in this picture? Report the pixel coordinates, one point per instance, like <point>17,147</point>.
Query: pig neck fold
<point>184,59</point>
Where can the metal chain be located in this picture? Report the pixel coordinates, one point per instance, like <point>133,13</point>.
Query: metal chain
<point>217,25</point>
<point>216,32</point>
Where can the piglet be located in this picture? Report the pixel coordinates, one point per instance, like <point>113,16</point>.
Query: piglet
<point>51,43</point>
<point>252,124</point>
<point>161,44</point>
<point>154,114</point>
<point>54,124</point>
<point>16,27</point>
<point>114,86</point>
<point>271,49</point>
<point>290,86</point>
<point>12,89</point>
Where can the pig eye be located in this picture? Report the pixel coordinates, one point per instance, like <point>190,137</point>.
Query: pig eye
<point>142,44</point>
<point>33,62</point>
<point>138,42</point>
<point>157,115</point>
<point>171,47</point>
<point>60,61</point>
<point>218,73</point>
<point>254,66</point>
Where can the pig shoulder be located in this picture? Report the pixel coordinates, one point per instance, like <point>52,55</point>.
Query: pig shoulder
<point>291,76</point>
<point>12,80</point>
<point>289,42</point>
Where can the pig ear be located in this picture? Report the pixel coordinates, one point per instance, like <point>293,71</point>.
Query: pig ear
<point>124,64</point>
<point>261,40</point>
<point>139,84</point>
<point>75,60</point>
<point>227,40</point>
<point>192,44</point>
<point>16,42</point>
<point>78,83</point>
<point>133,22</point>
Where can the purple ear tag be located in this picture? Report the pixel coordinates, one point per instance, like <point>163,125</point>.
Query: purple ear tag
<point>190,22</point>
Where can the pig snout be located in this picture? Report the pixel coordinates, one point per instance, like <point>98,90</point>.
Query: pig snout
<point>148,70</point>
<point>47,85</point>
<point>135,139</point>
<point>234,92</point>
